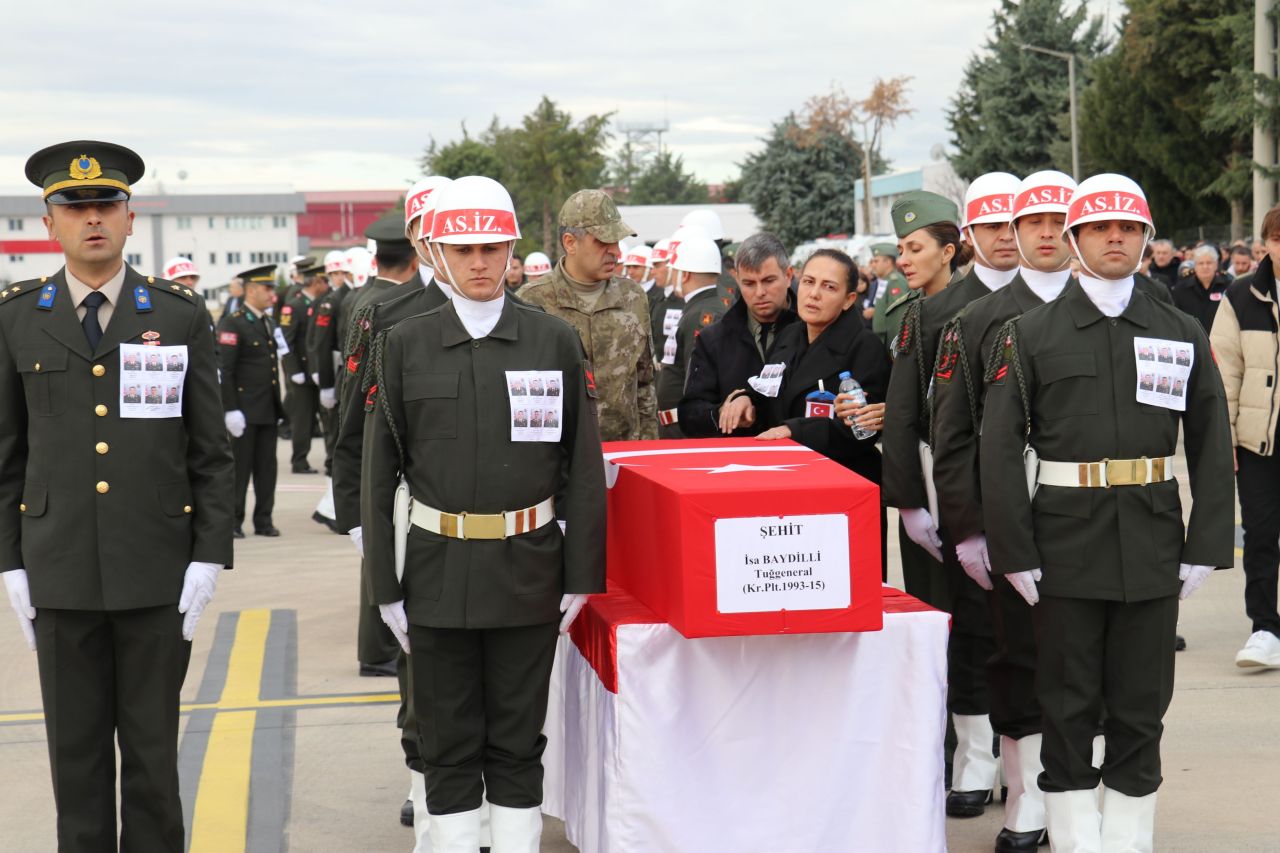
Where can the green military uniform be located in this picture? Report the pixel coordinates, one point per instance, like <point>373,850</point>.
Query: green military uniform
<point>251,385</point>
<point>324,342</point>
<point>664,319</point>
<point>302,398</point>
<point>895,310</point>
<point>703,308</point>
<point>105,513</point>
<point>891,291</point>
<point>1064,382</point>
<point>653,296</point>
<point>614,329</point>
<point>445,395</point>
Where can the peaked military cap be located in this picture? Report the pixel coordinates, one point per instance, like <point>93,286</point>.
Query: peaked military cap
<point>919,208</point>
<point>85,170</point>
<point>595,211</point>
<point>388,229</point>
<point>884,250</point>
<point>265,274</point>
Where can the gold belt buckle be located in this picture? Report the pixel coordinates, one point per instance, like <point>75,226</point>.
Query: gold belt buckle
<point>483,526</point>
<point>1126,472</point>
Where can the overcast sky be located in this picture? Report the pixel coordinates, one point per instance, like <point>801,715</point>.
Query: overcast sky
<point>343,95</point>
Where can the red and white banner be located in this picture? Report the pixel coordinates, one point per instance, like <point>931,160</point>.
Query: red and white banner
<point>499,224</point>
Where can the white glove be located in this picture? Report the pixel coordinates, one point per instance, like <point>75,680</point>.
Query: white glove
<point>357,539</point>
<point>1191,577</point>
<point>298,379</point>
<point>15,581</point>
<point>235,423</point>
<point>975,560</point>
<point>571,604</point>
<point>922,530</point>
<point>1025,584</point>
<point>197,591</point>
<point>315,377</point>
<point>328,397</point>
<point>395,619</point>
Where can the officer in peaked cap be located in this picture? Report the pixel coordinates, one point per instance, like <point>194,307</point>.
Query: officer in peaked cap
<point>247,342</point>
<point>147,501</point>
<point>891,290</point>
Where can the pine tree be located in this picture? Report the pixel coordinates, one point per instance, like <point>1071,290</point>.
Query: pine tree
<point>664,181</point>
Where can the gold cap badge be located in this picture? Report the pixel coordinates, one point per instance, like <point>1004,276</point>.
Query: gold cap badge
<point>85,168</point>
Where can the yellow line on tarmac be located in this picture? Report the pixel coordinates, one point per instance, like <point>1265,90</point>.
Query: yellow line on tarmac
<point>221,819</point>
<point>297,702</point>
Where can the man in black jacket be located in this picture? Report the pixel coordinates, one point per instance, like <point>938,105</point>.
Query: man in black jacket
<point>1200,293</point>
<point>736,347</point>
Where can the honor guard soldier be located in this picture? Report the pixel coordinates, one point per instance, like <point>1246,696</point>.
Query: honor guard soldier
<point>182,271</point>
<point>608,310</point>
<point>454,487</point>
<point>696,265</point>
<point>324,349</point>
<point>247,344</point>
<point>536,267</point>
<point>303,401</point>
<point>1096,541</point>
<point>364,275</point>
<point>891,288</point>
<point>926,229</point>
<point>116,515</point>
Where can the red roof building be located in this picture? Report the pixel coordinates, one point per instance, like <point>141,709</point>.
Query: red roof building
<point>336,220</point>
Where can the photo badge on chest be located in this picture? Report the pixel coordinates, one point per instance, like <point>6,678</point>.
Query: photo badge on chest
<point>537,404</point>
<point>151,380</point>
<point>769,382</point>
<point>1164,372</point>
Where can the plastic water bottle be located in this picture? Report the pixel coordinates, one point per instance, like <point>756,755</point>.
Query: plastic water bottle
<point>850,386</point>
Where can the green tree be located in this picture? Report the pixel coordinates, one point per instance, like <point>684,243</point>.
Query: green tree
<point>466,156</point>
<point>801,185</point>
<point>664,181</point>
<point>1010,113</point>
<point>1165,107</point>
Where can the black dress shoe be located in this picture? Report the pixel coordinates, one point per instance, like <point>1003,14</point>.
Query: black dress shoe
<point>1179,643</point>
<point>269,530</point>
<point>967,803</point>
<point>327,522</point>
<point>304,469</point>
<point>238,533</point>
<point>1009,841</point>
<point>406,813</point>
<point>376,670</point>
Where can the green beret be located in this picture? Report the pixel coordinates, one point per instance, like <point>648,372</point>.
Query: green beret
<point>85,170</point>
<point>884,250</point>
<point>918,209</point>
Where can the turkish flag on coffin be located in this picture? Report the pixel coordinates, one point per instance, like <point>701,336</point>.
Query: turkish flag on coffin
<point>739,536</point>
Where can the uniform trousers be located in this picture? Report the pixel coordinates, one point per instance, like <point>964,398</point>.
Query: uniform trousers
<point>1258,480</point>
<point>406,719</point>
<point>922,575</point>
<point>480,696</point>
<point>330,422</point>
<point>1100,655</point>
<point>972,642</point>
<point>108,675</point>
<point>1011,669</point>
<point>303,403</point>
<point>255,455</point>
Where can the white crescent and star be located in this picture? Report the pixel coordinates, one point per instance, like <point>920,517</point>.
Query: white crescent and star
<point>735,468</point>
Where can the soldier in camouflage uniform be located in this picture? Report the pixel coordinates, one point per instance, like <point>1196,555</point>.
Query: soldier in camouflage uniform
<point>610,313</point>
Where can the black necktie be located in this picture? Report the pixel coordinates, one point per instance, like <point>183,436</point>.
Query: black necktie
<point>92,329</point>
<point>764,339</point>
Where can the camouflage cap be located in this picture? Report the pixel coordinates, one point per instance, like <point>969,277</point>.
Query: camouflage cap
<point>884,250</point>
<point>596,212</point>
<point>919,208</point>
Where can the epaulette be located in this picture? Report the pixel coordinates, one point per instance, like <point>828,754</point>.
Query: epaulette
<point>22,288</point>
<point>160,285</point>
<point>1004,349</point>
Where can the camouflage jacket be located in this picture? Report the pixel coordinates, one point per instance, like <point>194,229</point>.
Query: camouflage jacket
<point>615,335</point>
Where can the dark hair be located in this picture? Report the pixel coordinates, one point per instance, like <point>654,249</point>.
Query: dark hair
<point>949,232</point>
<point>850,268</point>
<point>394,255</point>
<point>1241,250</point>
<point>758,248</point>
<point>516,256</point>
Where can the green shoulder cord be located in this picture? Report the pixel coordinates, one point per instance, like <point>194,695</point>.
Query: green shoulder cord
<point>380,399</point>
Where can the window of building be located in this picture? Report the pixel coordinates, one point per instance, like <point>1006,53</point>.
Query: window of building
<point>245,223</point>
<point>210,223</point>
<point>184,223</point>
<point>15,224</point>
<point>17,259</point>
<point>279,222</point>
<point>213,259</point>
<point>187,255</point>
<point>233,257</point>
<point>133,260</point>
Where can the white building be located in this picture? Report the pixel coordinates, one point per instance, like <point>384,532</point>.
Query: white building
<point>223,234</point>
<point>937,177</point>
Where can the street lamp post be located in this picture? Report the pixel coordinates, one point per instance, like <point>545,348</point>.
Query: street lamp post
<point>1071,86</point>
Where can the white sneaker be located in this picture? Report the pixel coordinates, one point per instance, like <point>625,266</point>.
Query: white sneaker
<point>1262,649</point>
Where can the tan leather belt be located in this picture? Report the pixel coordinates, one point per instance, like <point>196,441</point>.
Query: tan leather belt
<point>667,417</point>
<point>469,525</point>
<point>1107,473</point>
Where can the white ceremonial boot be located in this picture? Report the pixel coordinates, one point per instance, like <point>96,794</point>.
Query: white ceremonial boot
<point>486,830</point>
<point>421,820</point>
<point>1099,755</point>
<point>1074,823</point>
<point>455,833</point>
<point>515,830</point>
<point>1128,823</point>
<point>973,769</point>
<point>1024,819</point>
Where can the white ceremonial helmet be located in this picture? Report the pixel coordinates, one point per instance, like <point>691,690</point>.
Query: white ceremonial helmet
<point>706,219</point>
<point>661,252</point>
<point>683,233</point>
<point>178,267</point>
<point>537,264</point>
<point>1048,191</point>
<point>1105,197</point>
<point>472,210</point>
<point>333,261</point>
<point>359,262</point>
<point>638,257</point>
<point>989,199</point>
<point>420,200</point>
<point>697,253</point>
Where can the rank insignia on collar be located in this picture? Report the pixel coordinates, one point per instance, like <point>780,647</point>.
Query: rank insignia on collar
<point>46,297</point>
<point>141,299</point>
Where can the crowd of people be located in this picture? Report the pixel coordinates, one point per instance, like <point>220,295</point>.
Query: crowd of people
<point>1013,374</point>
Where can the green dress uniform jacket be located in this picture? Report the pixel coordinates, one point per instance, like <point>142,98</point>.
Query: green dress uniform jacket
<point>294,317</point>
<point>105,512</point>
<point>324,338</point>
<point>250,377</point>
<point>446,395</point>
<point>408,300</point>
<point>894,289</point>
<point>705,308</point>
<point>615,334</point>
<point>1077,370</point>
